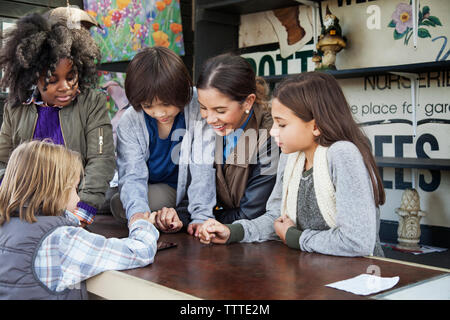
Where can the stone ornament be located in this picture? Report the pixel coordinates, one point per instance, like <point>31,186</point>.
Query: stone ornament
<point>330,42</point>
<point>409,221</point>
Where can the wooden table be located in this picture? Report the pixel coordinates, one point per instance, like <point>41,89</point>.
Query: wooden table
<point>255,271</point>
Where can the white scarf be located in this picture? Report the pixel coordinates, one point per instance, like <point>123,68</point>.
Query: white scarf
<point>323,186</point>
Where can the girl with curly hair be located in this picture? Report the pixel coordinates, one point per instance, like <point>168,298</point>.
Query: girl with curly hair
<point>50,72</point>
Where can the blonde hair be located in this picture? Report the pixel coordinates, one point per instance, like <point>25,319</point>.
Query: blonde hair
<point>38,177</point>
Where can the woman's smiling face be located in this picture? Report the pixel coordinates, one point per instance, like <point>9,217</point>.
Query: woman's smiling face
<point>62,85</point>
<point>220,112</point>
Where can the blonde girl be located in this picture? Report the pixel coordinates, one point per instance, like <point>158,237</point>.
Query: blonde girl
<point>44,252</point>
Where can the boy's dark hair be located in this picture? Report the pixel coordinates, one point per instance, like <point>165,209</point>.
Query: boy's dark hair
<point>34,46</point>
<point>158,72</point>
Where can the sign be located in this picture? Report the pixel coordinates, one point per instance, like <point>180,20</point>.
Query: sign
<point>379,33</point>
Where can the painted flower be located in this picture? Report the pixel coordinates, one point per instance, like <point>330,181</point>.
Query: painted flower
<point>136,29</point>
<point>116,16</point>
<point>155,26</point>
<point>160,5</point>
<point>123,4</point>
<point>161,39</point>
<point>93,6</point>
<point>402,17</point>
<point>107,21</point>
<point>167,2</point>
<point>176,27</point>
<point>136,46</point>
<point>92,13</point>
<point>126,12</point>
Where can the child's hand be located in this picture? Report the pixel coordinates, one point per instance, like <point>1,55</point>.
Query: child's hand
<point>213,231</point>
<point>193,229</point>
<point>150,217</point>
<point>167,220</point>
<point>281,225</point>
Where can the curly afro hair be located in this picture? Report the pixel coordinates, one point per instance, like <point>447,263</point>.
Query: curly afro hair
<point>34,47</point>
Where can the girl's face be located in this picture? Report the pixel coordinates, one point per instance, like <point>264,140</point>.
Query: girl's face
<point>291,133</point>
<point>163,112</point>
<point>73,198</point>
<point>222,113</point>
<point>62,86</point>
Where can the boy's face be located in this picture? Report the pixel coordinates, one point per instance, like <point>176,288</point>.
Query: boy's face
<point>62,85</point>
<point>163,112</point>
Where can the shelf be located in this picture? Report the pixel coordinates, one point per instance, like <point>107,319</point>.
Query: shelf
<point>245,6</point>
<point>363,72</point>
<point>413,163</point>
<point>18,9</point>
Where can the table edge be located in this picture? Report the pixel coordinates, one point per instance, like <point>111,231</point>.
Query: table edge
<point>117,285</point>
<point>412,264</point>
<point>383,295</point>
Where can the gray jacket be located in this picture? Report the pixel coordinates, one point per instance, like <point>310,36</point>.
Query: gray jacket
<point>19,244</point>
<point>195,156</point>
<point>357,217</point>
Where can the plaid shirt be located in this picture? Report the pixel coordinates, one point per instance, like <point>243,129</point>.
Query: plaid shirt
<point>70,255</point>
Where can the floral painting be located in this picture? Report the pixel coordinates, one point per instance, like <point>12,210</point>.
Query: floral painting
<point>402,21</point>
<point>129,25</point>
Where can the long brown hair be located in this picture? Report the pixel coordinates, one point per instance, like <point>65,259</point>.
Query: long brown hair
<point>318,96</point>
<point>38,177</point>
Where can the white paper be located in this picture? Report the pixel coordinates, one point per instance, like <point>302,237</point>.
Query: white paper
<point>429,249</point>
<point>365,284</point>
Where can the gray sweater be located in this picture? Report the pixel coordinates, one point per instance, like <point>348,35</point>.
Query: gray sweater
<point>357,216</point>
<point>195,160</point>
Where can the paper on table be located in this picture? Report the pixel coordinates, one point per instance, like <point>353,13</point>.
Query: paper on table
<point>429,249</point>
<point>365,284</point>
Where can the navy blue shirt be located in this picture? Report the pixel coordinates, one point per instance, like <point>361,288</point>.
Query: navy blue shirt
<point>161,168</point>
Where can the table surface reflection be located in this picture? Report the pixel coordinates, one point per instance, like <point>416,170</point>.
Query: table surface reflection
<point>256,271</point>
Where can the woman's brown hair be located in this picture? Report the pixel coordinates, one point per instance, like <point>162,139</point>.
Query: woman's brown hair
<point>38,177</point>
<point>234,77</point>
<point>318,96</point>
<point>158,72</point>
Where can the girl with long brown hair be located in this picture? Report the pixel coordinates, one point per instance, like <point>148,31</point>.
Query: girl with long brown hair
<point>328,190</point>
